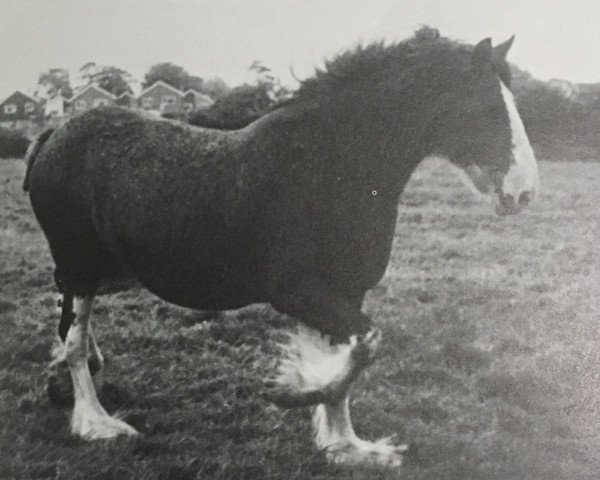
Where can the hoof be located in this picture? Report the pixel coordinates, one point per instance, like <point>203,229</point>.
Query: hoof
<point>93,424</point>
<point>312,371</point>
<point>373,454</point>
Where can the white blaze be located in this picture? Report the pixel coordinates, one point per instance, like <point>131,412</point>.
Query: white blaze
<point>523,173</point>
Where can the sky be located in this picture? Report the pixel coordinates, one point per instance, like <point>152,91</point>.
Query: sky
<point>554,38</point>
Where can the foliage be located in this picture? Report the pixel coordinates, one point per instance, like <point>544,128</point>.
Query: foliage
<point>55,81</point>
<point>238,108</point>
<point>171,74</point>
<point>265,79</point>
<point>178,77</point>
<point>112,79</point>
<point>194,82</point>
<point>13,144</point>
<point>243,104</point>
<point>560,126</point>
<point>215,88</point>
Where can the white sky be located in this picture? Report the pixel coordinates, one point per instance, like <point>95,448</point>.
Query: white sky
<point>555,38</point>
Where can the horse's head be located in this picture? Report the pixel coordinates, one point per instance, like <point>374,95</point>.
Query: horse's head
<point>483,132</point>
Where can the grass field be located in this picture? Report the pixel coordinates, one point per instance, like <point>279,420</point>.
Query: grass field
<point>490,366</point>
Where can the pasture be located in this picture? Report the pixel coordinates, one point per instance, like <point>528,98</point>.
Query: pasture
<point>490,366</point>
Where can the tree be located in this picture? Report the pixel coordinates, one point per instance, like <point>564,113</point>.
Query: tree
<point>238,108</point>
<point>215,88</point>
<point>13,144</point>
<point>243,104</point>
<point>178,77</point>
<point>195,82</point>
<point>53,82</point>
<point>169,73</point>
<point>112,79</point>
<point>271,83</point>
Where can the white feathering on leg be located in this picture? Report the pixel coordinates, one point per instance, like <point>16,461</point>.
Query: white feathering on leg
<point>89,420</point>
<point>310,363</point>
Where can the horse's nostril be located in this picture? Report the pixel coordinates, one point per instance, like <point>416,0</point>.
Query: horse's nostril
<point>524,199</point>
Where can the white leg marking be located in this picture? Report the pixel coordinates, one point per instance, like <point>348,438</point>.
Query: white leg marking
<point>96,359</point>
<point>96,353</point>
<point>58,353</point>
<point>334,434</point>
<point>523,174</point>
<point>90,421</point>
<point>310,362</point>
<point>313,371</point>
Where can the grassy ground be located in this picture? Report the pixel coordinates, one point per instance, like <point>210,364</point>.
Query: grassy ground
<point>491,362</point>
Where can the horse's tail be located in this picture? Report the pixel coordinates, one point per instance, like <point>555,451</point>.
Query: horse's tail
<point>32,152</point>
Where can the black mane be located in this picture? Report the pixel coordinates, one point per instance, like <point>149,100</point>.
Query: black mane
<point>426,47</point>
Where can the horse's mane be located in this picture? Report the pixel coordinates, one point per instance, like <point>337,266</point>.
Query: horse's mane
<point>356,64</point>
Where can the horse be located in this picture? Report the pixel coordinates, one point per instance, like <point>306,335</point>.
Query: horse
<point>297,210</point>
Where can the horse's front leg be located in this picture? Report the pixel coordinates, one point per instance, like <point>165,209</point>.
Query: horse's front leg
<point>314,370</point>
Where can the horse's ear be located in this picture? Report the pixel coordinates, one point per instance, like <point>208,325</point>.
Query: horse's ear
<point>500,51</point>
<point>482,54</point>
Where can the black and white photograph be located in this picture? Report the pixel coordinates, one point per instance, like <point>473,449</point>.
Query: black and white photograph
<point>299,239</point>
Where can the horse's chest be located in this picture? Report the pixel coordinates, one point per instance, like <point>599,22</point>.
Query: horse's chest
<point>360,240</point>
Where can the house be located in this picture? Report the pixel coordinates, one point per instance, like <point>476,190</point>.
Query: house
<point>162,98</point>
<point>56,107</point>
<point>19,110</point>
<point>126,99</point>
<point>91,96</point>
<point>193,100</point>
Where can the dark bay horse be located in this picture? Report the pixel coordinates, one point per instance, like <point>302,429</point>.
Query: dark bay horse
<point>297,210</point>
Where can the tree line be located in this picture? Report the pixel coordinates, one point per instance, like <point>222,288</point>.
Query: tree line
<point>562,123</point>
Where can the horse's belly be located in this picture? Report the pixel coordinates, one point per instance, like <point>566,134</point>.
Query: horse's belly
<point>202,295</point>
<point>212,278</point>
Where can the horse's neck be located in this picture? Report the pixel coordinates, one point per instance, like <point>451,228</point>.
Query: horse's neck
<point>372,145</point>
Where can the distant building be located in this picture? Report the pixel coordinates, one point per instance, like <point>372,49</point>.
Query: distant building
<point>20,109</point>
<point>126,99</point>
<point>24,112</point>
<point>91,96</point>
<point>162,98</point>
<point>56,107</point>
<point>193,101</point>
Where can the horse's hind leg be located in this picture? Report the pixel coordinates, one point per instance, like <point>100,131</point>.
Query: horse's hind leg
<point>90,421</point>
<point>95,357</point>
<point>60,386</point>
